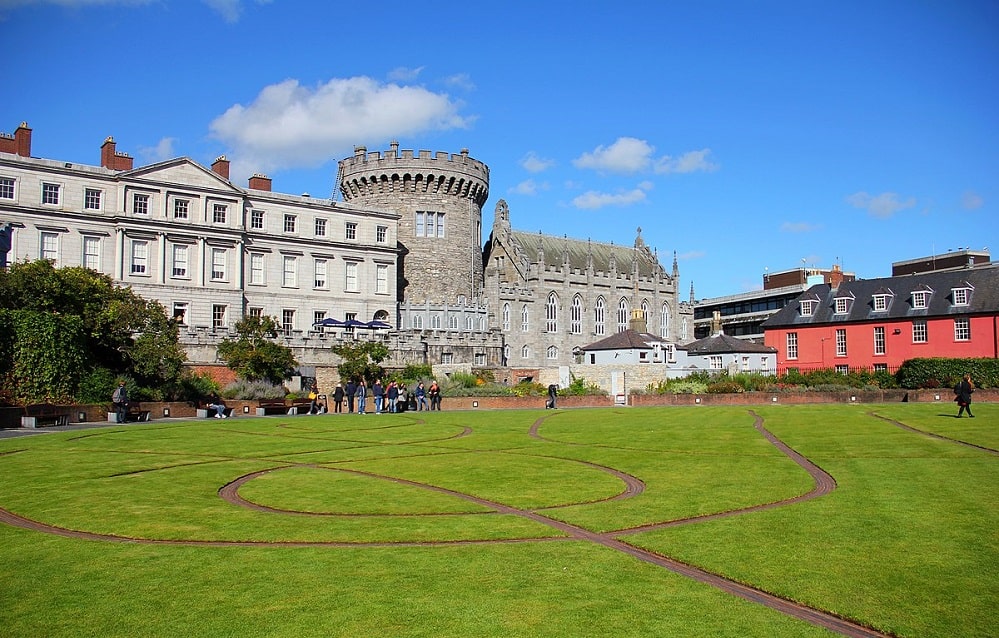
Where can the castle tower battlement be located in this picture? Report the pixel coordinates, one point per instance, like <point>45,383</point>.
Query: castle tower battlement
<point>439,197</point>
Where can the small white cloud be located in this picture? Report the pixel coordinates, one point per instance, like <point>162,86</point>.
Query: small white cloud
<point>289,125</point>
<point>405,74</point>
<point>461,81</point>
<point>534,164</point>
<point>529,187</point>
<point>883,206</point>
<point>691,254</point>
<point>690,162</point>
<point>626,155</point>
<point>595,199</point>
<point>972,201</point>
<point>230,10</point>
<point>162,151</point>
<point>799,227</point>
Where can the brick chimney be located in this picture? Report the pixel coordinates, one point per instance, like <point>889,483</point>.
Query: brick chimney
<point>18,143</point>
<point>113,160</point>
<point>835,277</point>
<point>221,167</point>
<point>260,182</point>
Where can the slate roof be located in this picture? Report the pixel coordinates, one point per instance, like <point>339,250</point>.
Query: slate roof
<point>580,250</point>
<point>983,298</point>
<point>724,344</point>
<point>625,340</point>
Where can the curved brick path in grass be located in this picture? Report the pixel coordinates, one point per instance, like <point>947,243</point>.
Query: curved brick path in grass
<point>933,434</point>
<point>824,483</point>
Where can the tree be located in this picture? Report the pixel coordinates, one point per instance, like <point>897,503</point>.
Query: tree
<point>253,355</point>
<point>361,360</point>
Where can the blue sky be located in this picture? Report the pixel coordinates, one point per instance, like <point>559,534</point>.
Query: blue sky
<point>744,136</point>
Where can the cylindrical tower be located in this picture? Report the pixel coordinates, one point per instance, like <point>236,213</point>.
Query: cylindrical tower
<point>439,197</point>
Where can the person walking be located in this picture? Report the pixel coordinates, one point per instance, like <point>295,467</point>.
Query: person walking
<point>421,397</point>
<point>350,392</point>
<point>338,398</point>
<point>120,400</point>
<point>378,391</point>
<point>435,396</point>
<point>963,391</point>
<point>362,396</point>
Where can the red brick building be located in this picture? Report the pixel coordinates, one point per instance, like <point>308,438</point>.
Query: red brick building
<point>879,323</point>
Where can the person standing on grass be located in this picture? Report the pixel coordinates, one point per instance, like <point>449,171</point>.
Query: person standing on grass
<point>963,391</point>
<point>338,398</point>
<point>435,396</point>
<point>392,395</point>
<point>350,392</point>
<point>378,392</point>
<point>120,400</point>
<point>421,397</point>
<point>362,396</point>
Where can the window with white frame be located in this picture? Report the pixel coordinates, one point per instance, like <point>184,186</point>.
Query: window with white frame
<point>181,209</point>
<point>664,322</point>
<point>417,321</point>
<point>599,313</point>
<point>840,342</point>
<point>962,329</point>
<point>350,283</point>
<point>290,223</point>
<point>429,224</point>
<point>622,315</point>
<point>218,264</point>
<point>289,277</point>
<point>350,232</point>
<point>256,312</point>
<point>320,227</point>
<point>92,199</point>
<point>219,213</point>
<point>256,219</point>
<point>919,333</point>
<point>715,362</point>
<point>452,322</point>
<point>50,193</point>
<point>645,312</point>
<point>551,313</point>
<point>180,313</point>
<point>256,268</point>
<point>92,252</point>
<point>792,345</point>
<point>525,319</point>
<point>381,279</point>
<point>506,317</point>
<point>218,317</point>
<point>881,367</point>
<point>807,307</point>
<point>140,203</point>
<point>320,269</point>
<point>469,323</point>
<point>881,302</point>
<point>551,353</point>
<point>480,359</point>
<point>6,188</point>
<point>961,296</point>
<point>318,316</point>
<point>435,322</point>
<point>879,340</point>
<point>842,369</point>
<point>381,234</point>
<point>287,320</point>
<point>576,316</point>
<point>140,257</point>
<point>525,352</point>
<point>447,358</point>
<point>842,305</point>
<point>920,299</point>
<point>180,260</point>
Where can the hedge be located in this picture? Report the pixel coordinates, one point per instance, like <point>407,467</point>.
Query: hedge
<point>940,372</point>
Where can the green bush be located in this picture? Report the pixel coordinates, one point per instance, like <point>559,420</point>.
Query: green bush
<point>252,390</point>
<point>725,387</point>
<point>96,386</point>
<point>937,372</point>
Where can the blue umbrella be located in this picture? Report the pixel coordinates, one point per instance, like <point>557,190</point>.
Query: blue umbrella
<point>378,325</point>
<point>329,322</point>
<point>353,323</point>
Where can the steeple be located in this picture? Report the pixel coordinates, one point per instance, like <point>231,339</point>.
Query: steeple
<point>691,292</point>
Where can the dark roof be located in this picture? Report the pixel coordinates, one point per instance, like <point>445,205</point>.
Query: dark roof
<point>580,251</point>
<point>983,298</point>
<point>724,344</point>
<point>626,340</point>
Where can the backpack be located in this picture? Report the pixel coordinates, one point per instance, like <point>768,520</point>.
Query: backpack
<point>116,396</point>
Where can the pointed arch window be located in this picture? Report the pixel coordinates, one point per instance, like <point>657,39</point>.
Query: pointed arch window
<point>664,321</point>
<point>551,313</point>
<point>525,319</point>
<point>622,315</point>
<point>576,316</point>
<point>599,316</point>
<point>506,317</point>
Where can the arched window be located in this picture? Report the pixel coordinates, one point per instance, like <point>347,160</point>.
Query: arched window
<point>418,322</point>
<point>683,328</point>
<point>551,313</point>
<point>552,352</point>
<point>483,324</point>
<point>664,322</point>
<point>452,322</point>
<point>525,322</point>
<point>576,316</point>
<point>469,323</point>
<point>622,315</point>
<point>435,322</point>
<point>525,352</point>
<point>506,317</point>
<point>645,311</point>
<point>599,311</point>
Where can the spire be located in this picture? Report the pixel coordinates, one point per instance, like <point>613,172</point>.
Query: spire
<point>691,292</point>
<point>676,268</point>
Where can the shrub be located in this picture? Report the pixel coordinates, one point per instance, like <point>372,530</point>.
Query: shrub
<point>724,387</point>
<point>936,372</point>
<point>96,386</point>
<point>252,390</point>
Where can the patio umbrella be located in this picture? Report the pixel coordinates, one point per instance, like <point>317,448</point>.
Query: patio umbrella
<point>329,322</point>
<point>353,323</point>
<point>378,325</point>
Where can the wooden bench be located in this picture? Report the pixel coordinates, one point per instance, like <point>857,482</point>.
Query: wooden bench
<point>136,413</point>
<point>272,406</point>
<point>42,414</point>
<point>299,406</point>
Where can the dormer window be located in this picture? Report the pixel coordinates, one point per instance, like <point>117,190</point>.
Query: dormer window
<point>807,307</point>
<point>881,299</point>
<point>920,299</point>
<point>842,304</point>
<point>962,294</point>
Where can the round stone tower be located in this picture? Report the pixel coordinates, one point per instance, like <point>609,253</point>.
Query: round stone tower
<point>439,197</point>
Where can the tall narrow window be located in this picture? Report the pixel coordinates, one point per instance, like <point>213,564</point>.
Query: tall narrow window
<point>525,320</point>
<point>525,352</point>
<point>350,276</point>
<point>576,316</point>
<point>257,219</point>
<point>179,260</point>
<point>435,322</point>
<point>962,329</point>
<point>320,227</point>
<point>140,257</point>
<point>219,213</point>
<point>290,272</point>
<point>381,234</point>
<point>622,315</point>
<point>551,313</point>
<point>92,252</point>
<point>92,199</point>
<point>551,353</point>
<point>256,268</point>
<point>320,273</point>
<point>218,317</point>
<point>290,223</point>
<point>381,279</point>
<point>351,230</point>
<point>506,317</point>
<point>218,264</point>
<point>599,313</point>
<point>50,247</point>
<point>792,345</point>
<point>879,340</point>
<point>664,322</point>
<point>840,342</point>
<point>180,313</point>
<point>919,334</point>
<point>318,316</point>
<point>287,320</point>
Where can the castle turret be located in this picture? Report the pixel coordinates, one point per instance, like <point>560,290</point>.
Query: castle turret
<point>439,197</point>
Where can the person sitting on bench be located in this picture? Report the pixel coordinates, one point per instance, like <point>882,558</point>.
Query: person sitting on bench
<point>215,403</point>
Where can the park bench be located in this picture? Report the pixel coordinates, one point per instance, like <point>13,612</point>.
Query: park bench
<point>43,414</point>
<point>282,406</point>
<point>136,413</point>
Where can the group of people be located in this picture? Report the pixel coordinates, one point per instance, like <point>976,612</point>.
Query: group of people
<point>392,397</point>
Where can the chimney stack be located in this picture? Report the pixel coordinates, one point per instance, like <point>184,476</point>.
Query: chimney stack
<point>221,167</point>
<point>19,143</point>
<point>835,277</point>
<point>260,182</point>
<point>113,160</point>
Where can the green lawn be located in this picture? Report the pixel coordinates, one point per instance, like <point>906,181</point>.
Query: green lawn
<point>425,525</point>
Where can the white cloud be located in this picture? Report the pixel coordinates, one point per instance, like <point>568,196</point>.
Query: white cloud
<point>288,125</point>
<point>690,254</point>
<point>799,227</point>
<point>690,162</point>
<point>595,199</point>
<point>405,74</point>
<point>626,155</point>
<point>230,10</point>
<point>162,151</point>
<point>972,201</point>
<point>460,81</point>
<point>534,164</point>
<point>883,206</point>
<point>529,187</point>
